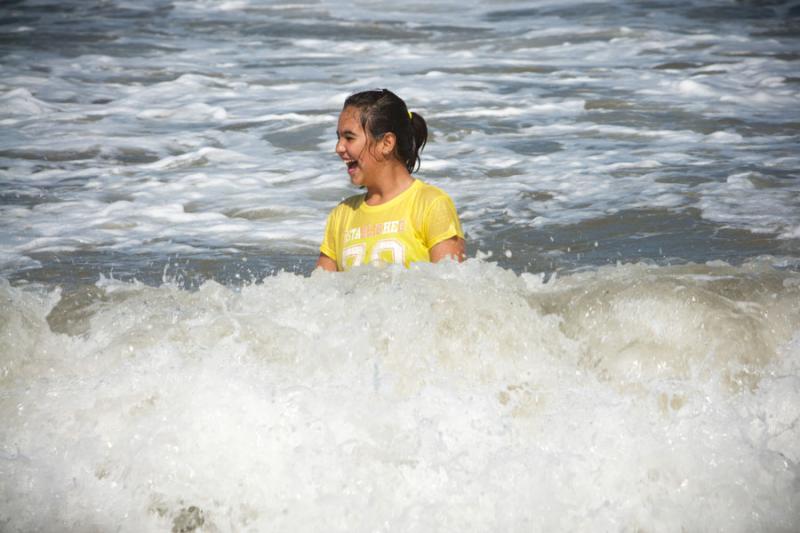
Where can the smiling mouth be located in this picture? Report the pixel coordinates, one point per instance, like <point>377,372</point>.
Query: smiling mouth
<point>351,164</point>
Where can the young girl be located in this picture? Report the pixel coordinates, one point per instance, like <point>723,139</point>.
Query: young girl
<point>399,219</point>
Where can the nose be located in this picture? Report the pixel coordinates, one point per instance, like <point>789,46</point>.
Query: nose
<point>339,148</point>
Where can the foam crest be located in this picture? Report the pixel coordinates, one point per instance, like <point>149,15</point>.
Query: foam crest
<point>18,102</point>
<point>337,402</point>
<point>749,200</point>
<point>189,113</point>
<point>642,324</point>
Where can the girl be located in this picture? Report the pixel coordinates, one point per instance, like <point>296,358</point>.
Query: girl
<point>399,219</point>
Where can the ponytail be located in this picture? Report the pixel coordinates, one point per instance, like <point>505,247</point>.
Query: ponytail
<point>419,132</point>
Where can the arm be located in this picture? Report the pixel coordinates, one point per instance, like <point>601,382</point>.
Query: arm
<point>326,263</point>
<point>452,248</point>
<point>441,220</point>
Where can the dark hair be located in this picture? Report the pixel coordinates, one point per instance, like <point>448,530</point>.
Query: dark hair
<point>382,112</point>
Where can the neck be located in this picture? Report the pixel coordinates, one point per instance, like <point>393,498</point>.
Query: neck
<point>393,180</point>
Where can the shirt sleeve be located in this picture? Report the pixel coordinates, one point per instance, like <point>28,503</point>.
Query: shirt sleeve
<point>441,221</point>
<point>328,246</point>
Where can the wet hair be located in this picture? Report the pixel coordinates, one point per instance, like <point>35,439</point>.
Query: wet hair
<point>382,112</point>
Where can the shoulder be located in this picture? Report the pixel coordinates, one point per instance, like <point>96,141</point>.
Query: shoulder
<point>428,193</point>
<point>349,204</point>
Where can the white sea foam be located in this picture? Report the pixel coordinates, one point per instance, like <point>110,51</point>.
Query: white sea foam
<point>22,102</point>
<point>189,113</point>
<point>740,203</point>
<point>631,397</point>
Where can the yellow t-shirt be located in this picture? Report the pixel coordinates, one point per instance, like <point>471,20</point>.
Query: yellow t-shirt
<point>402,230</point>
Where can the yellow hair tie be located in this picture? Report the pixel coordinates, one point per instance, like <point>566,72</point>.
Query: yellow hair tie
<point>410,115</point>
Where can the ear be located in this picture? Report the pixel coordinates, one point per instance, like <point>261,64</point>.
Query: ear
<point>387,143</point>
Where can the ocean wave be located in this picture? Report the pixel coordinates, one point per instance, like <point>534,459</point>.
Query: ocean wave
<point>443,398</point>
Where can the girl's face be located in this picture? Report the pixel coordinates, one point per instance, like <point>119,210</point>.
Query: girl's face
<point>355,147</point>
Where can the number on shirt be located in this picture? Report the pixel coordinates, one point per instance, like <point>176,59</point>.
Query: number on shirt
<point>384,251</point>
<point>352,256</point>
<point>388,251</point>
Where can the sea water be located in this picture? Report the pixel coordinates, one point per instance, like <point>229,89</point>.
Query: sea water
<point>620,352</point>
